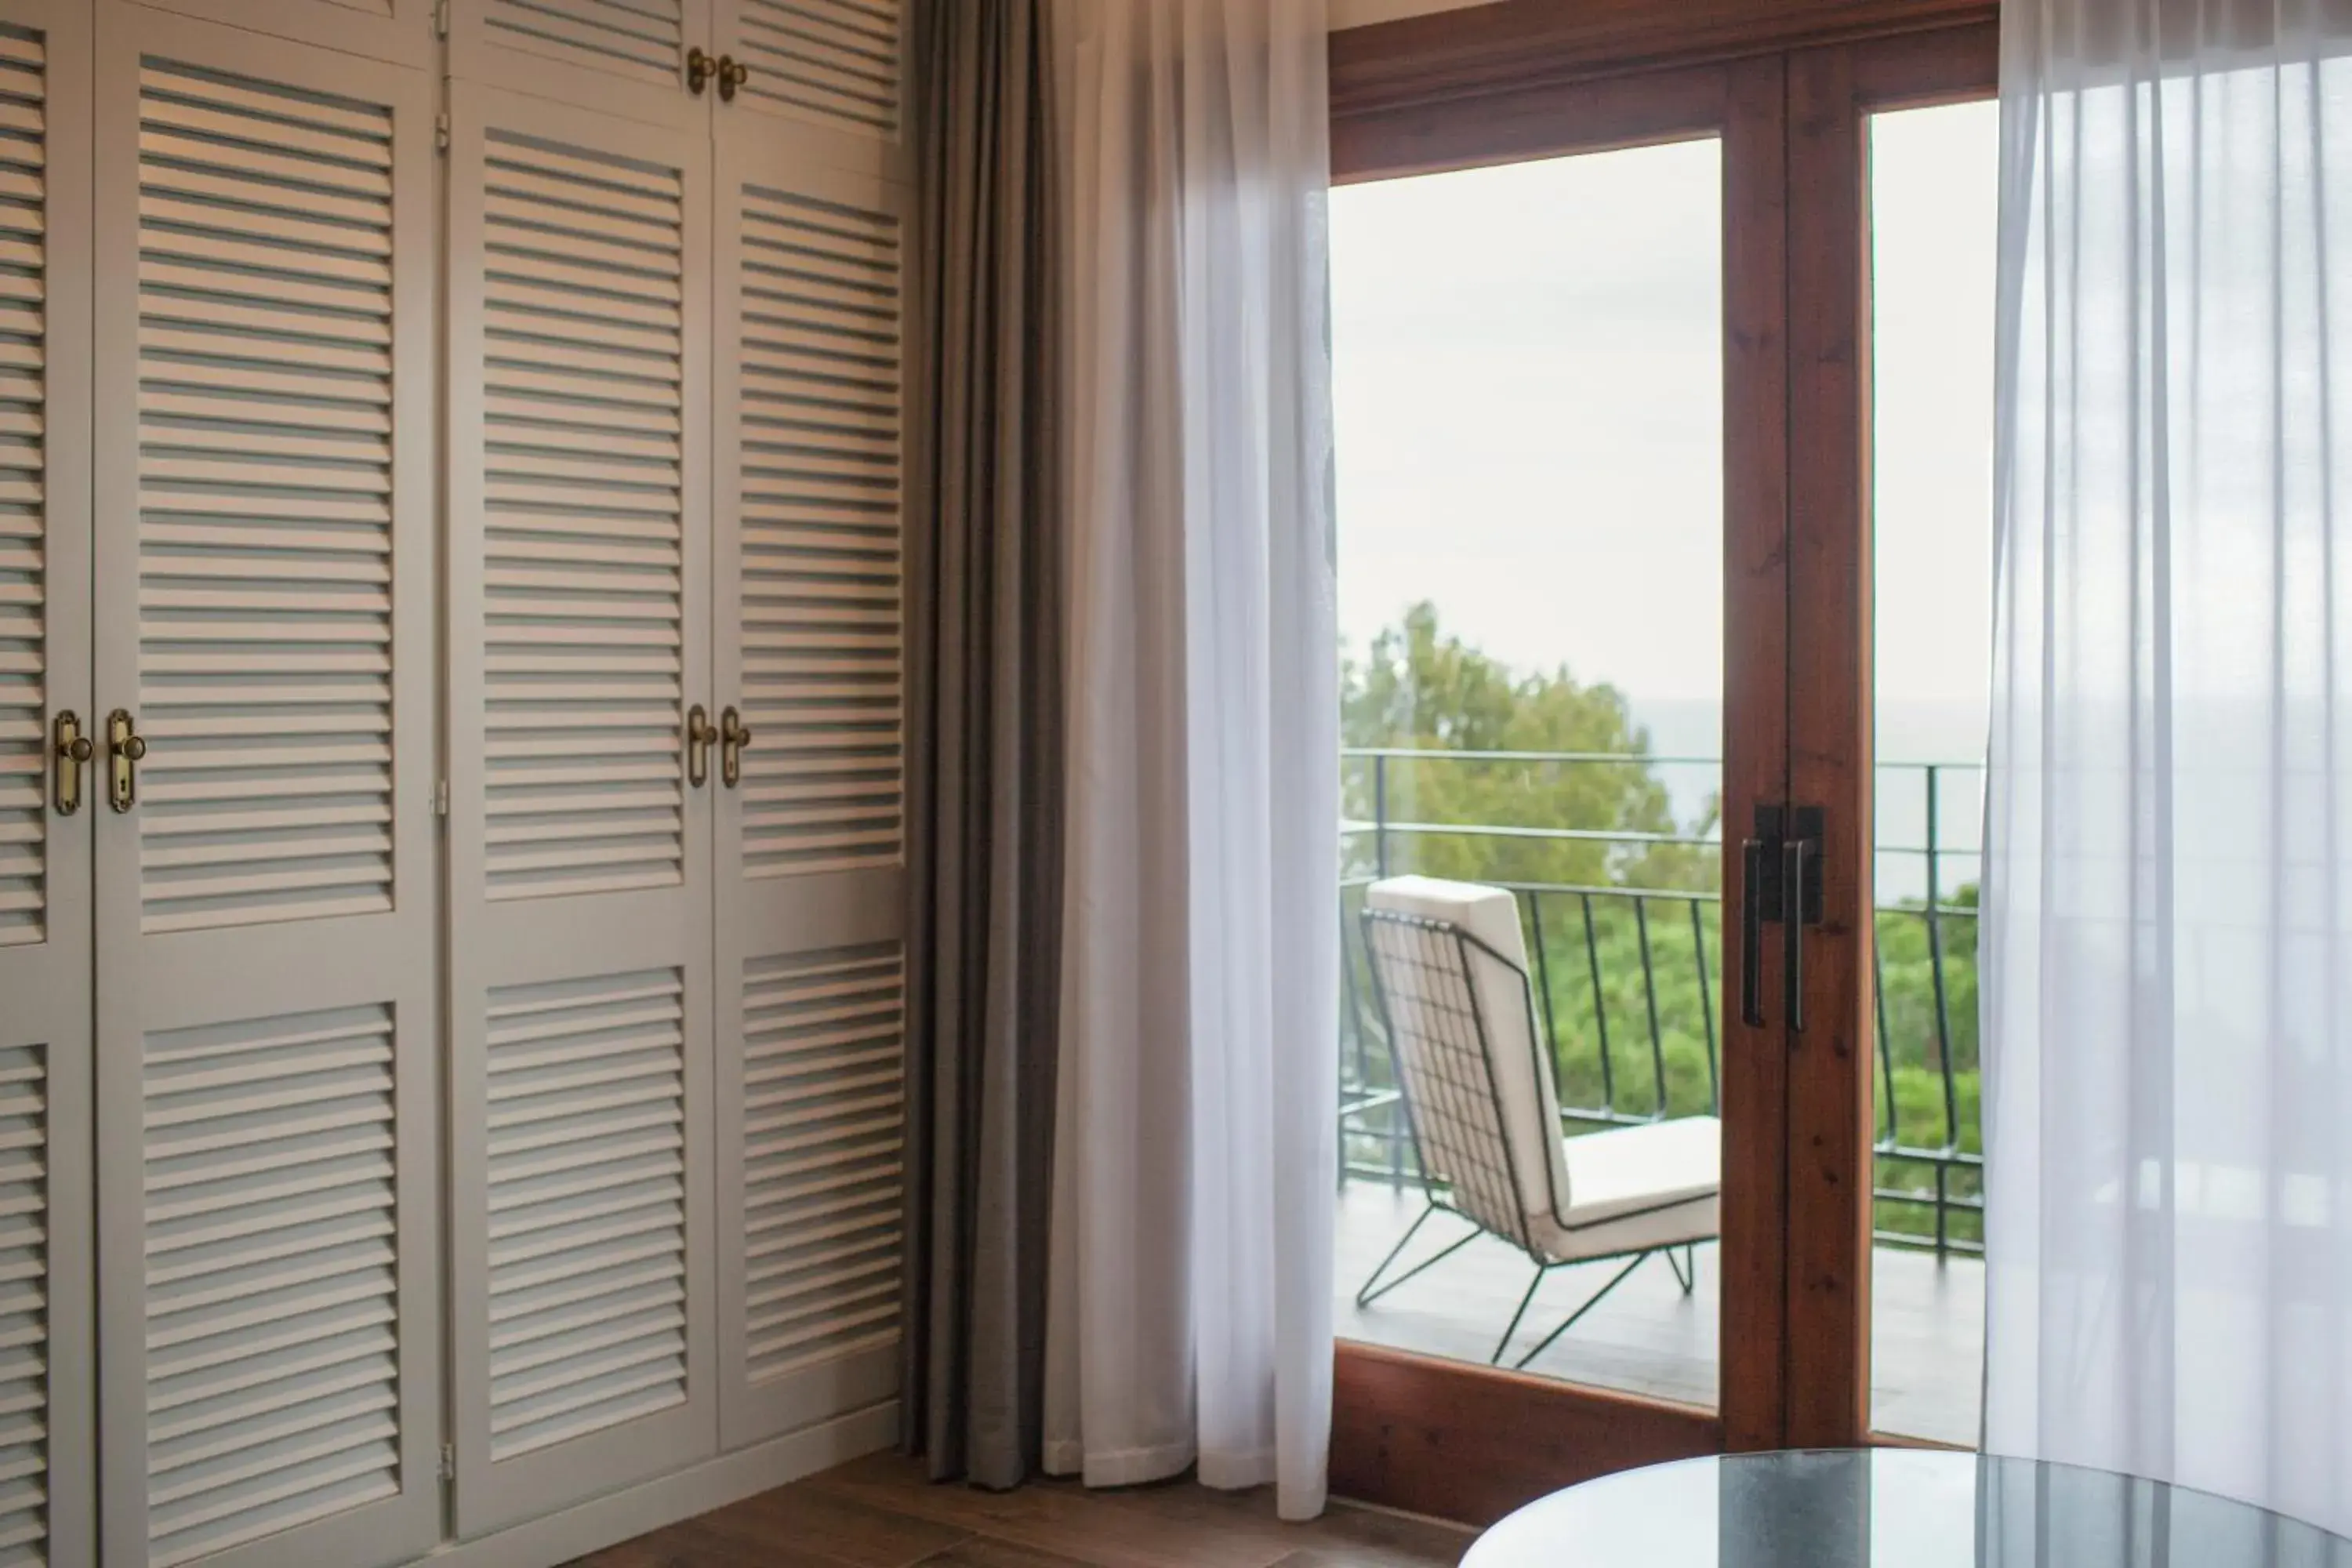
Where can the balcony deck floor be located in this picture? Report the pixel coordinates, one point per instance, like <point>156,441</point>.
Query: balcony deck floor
<point>1648,1338</point>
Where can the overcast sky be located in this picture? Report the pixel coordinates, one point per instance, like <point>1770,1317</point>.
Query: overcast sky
<point>1528,390</point>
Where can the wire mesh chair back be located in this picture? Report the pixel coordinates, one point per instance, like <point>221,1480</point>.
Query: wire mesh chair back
<point>1443,1048</point>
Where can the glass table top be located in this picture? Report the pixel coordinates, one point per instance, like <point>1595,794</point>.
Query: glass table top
<point>1893,1508</point>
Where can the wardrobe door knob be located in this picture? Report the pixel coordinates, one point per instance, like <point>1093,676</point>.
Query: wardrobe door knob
<point>698,736</point>
<point>734,739</point>
<point>125,750</point>
<point>72,749</point>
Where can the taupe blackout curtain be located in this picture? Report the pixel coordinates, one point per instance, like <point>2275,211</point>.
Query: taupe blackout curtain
<point>984,637</point>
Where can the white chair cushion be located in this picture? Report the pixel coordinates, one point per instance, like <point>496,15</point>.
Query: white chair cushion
<point>1530,1102</point>
<point>1635,1187</point>
<point>1627,1169</point>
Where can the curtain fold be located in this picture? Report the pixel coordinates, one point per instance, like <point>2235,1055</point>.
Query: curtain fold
<point>1194,1186</point>
<point>2167,936</point>
<point>985,737</point>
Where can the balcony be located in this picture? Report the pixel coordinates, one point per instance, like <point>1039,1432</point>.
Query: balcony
<point>1627,991</point>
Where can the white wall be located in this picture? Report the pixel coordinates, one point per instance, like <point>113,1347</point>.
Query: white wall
<point>1356,13</point>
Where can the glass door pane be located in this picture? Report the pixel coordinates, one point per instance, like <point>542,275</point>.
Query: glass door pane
<point>1530,392</point>
<point>1932,180</point>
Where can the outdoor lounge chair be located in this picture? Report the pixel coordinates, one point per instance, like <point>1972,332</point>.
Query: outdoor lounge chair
<point>1474,1078</point>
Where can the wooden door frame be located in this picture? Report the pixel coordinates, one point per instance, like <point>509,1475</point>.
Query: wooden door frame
<point>1833,92</point>
<point>1787,87</point>
<point>1471,1442</point>
<point>1479,51</point>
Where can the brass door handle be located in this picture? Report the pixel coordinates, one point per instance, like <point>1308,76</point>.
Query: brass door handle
<point>698,736</point>
<point>72,751</point>
<point>732,73</point>
<point>125,748</point>
<point>699,68</point>
<point>734,739</point>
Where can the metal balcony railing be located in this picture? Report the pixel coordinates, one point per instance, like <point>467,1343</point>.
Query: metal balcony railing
<point>1627,989</point>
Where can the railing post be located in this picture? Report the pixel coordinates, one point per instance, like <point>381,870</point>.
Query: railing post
<point>1354,1025</point>
<point>1543,981</point>
<point>1380,813</point>
<point>1650,1002</point>
<point>1943,1013</point>
<point>1885,1035</point>
<point>1705,1012</point>
<point>1600,1004</point>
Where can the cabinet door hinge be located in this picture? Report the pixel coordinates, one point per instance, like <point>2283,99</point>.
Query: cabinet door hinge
<point>441,797</point>
<point>448,1461</point>
<point>441,130</point>
<point>440,19</point>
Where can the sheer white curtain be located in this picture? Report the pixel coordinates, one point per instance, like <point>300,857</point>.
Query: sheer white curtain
<point>1190,1312</point>
<point>2168,958</point>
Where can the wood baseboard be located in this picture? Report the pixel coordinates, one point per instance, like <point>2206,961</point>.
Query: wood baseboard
<point>1470,1444</point>
<point>714,1483</point>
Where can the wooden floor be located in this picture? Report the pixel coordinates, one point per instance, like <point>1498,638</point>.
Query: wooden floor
<point>1927,1344</point>
<point>879,1512</point>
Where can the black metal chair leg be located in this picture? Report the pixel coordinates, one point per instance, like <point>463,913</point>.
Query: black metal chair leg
<point>1367,1294</point>
<point>1593,1301</point>
<point>1685,1268</point>
<point>1505,1342</point>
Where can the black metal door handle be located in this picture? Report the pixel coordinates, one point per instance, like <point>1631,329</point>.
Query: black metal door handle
<point>1751,933</point>
<point>1793,950</point>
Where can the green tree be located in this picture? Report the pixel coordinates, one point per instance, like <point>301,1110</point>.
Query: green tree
<point>1420,688</point>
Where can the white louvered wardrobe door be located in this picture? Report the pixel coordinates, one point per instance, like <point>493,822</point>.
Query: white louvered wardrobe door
<point>835,66</point>
<point>47,1452</point>
<point>268,1017</point>
<point>809,844</point>
<point>580,854</point>
<point>399,31</point>
<point>618,56</point>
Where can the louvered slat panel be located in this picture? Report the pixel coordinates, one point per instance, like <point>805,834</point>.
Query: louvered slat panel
<point>582,536</point>
<point>637,37</point>
<point>820,528</point>
<point>587,1205</point>
<point>824,1094</point>
<point>835,60</point>
<point>265,498</point>
<point>24,1305</point>
<point>272,1355</point>
<point>24,582</point>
